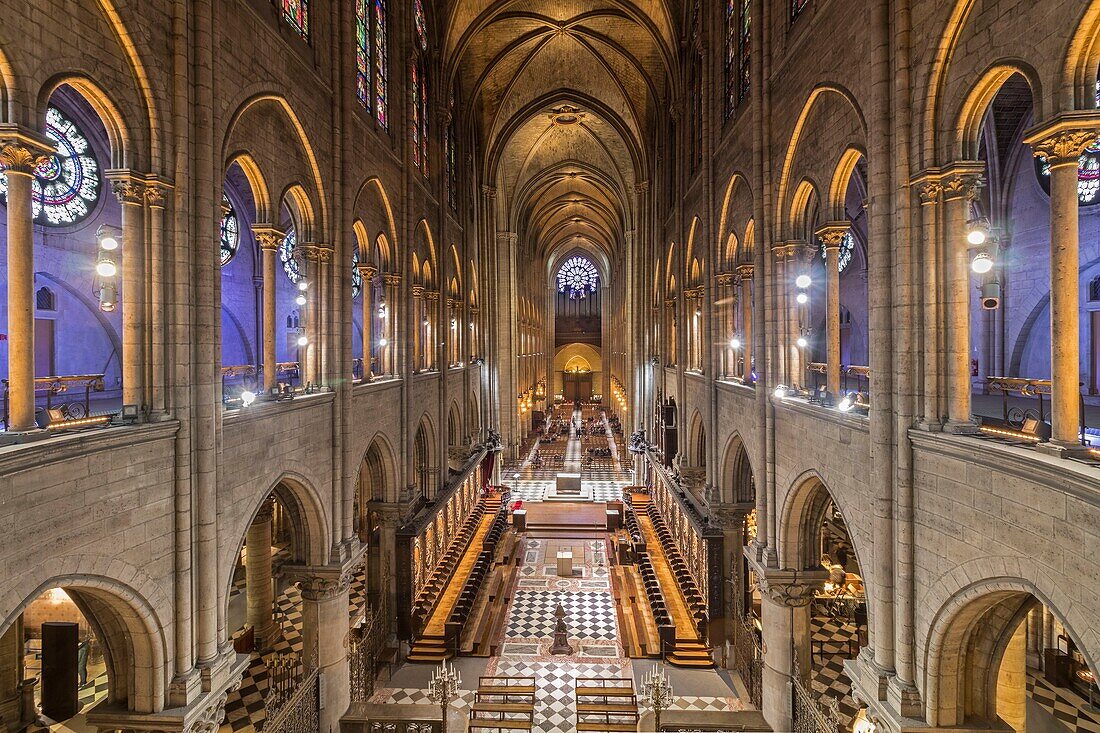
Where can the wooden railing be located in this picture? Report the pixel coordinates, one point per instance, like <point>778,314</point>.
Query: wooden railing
<point>74,412</point>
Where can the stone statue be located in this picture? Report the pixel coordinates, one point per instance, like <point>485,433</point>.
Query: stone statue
<point>561,634</point>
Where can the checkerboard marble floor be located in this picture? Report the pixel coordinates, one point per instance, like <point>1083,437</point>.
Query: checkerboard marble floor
<point>593,634</point>
<point>832,644</point>
<point>1063,704</point>
<point>605,482</point>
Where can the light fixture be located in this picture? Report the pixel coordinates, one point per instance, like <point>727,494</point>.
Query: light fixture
<point>108,296</point>
<point>698,312</point>
<point>107,242</point>
<point>471,327</point>
<point>106,268</point>
<point>303,341</point>
<point>303,284</point>
<point>424,322</point>
<point>735,343</point>
<point>383,341</point>
<point>300,299</point>
<point>802,342</point>
<point>977,231</point>
<point>780,391</point>
<point>454,323</point>
<point>382,310</point>
<point>248,397</point>
<point>802,299</point>
<point>846,404</point>
<point>803,281</point>
<point>982,262</point>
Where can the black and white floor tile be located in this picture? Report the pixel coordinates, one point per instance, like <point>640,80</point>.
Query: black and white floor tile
<point>832,643</point>
<point>1063,704</point>
<point>589,614</point>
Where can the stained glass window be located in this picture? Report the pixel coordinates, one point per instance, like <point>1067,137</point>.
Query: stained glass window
<point>744,46</point>
<point>362,53</point>
<point>1088,170</point>
<point>421,24</point>
<point>296,13</point>
<point>731,56</point>
<point>414,126</point>
<point>356,276</point>
<point>847,247</point>
<point>797,6</point>
<point>381,62</point>
<point>424,121</point>
<point>230,231</point>
<point>449,141</point>
<point>577,277</point>
<point>66,185</point>
<point>287,255</point>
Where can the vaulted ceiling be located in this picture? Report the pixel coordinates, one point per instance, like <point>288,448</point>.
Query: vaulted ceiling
<point>565,94</point>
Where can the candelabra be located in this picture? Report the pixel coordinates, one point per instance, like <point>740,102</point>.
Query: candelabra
<point>443,688</point>
<point>657,692</point>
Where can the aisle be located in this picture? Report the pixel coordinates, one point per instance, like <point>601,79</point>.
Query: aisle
<point>605,483</point>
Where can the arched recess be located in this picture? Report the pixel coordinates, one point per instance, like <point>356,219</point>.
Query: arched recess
<point>309,527</point>
<point>738,481</point>
<point>1077,89</point>
<point>454,425</point>
<point>967,641</point>
<point>257,182</point>
<point>126,622</point>
<point>7,90</point>
<point>376,483</point>
<point>799,532</point>
<point>805,205</point>
<point>738,199</point>
<point>698,444</point>
<point>375,216</point>
<point>967,123</point>
<point>838,188</point>
<point>120,135</point>
<point>313,169</point>
<point>425,463</point>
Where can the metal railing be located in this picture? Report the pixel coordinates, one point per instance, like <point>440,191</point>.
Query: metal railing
<point>364,655</point>
<point>240,377</point>
<point>301,711</point>
<point>853,378</point>
<point>47,390</point>
<point>748,658</point>
<point>808,714</point>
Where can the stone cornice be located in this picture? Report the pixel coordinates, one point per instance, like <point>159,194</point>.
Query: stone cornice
<point>27,456</point>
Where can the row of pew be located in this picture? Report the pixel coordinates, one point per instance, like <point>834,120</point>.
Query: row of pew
<point>688,586</point>
<point>508,703</point>
<point>429,594</point>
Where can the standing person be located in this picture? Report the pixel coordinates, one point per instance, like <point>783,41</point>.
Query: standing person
<point>82,662</point>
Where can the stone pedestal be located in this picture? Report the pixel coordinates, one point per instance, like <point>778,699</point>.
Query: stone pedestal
<point>565,564</point>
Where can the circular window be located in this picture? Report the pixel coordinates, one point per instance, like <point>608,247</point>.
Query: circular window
<point>577,277</point>
<point>847,247</point>
<point>67,184</point>
<point>356,277</point>
<point>230,231</point>
<point>289,257</point>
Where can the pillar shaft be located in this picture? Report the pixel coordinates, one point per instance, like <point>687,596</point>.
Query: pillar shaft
<point>747,336</point>
<point>324,629</point>
<point>268,242</point>
<point>959,189</point>
<point>1065,398</point>
<point>132,197</point>
<point>1012,682</point>
<point>367,273</point>
<point>930,218</point>
<point>158,281</point>
<point>20,164</point>
<point>259,591</point>
<point>832,318</point>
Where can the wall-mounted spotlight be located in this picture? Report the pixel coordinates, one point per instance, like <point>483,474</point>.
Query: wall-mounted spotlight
<point>303,340</point>
<point>977,231</point>
<point>802,342</point>
<point>982,262</point>
<point>300,299</point>
<point>382,310</point>
<point>106,267</point>
<point>735,343</point>
<point>247,397</point>
<point>383,341</point>
<point>303,284</point>
<point>803,281</point>
<point>802,299</point>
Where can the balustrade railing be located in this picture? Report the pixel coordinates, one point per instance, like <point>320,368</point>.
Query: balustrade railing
<point>748,658</point>
<point>853,378</point>
<point>808,713</point>
<point>301,711</point>
<point>66,399</point>
<point>365,654</point>
<point>248,377</point>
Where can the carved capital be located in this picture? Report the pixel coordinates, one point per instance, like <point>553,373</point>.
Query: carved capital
<point>391,279</point>
<point>745,271</point>
<point>324,587</point>
<point>325,253</point>
<point>1064,146</point>
<point>930,192</point>
<point>488,192</point>
<point>670,303</point>
<point>725,279</point>
<point>791,589</point>
<point>832,234</point>
<point>432,295</point>
<point>267,511</point>
<point>18,157</point>
<point>963,180</point>
<point>267,238</point>
<point>418,291</point>
<point>310,251</point>
<point>642,187</point>
<point>367,271</point>
<point>156,194</point>
<point>129,191</point>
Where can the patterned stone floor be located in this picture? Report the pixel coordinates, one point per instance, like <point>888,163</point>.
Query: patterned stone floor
<point>832,645</point>
<point>593,634</point>
<point>605,481</point>
<point>1070,709</point>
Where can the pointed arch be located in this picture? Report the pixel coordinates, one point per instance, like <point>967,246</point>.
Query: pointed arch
<point>120,135</point>
<point>261,195</point>
<point>838,188</point>
<point>971,116</point>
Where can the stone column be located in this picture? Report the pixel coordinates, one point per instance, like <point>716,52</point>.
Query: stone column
<point>11,674</point>
<point>158,284</point>
<point>832,236</point>
<point>418,327</point>
<point>259,590</point>
<point>268,240</point>
<point>1012,681</point>
<point>431,332</point>
<point>131,194</point>
<point>670,332</point>
<point>312,317</point>
<point>727,324</point>
<point>388,355</point>
<point>960,187</point>
<point>746,273</point>
<point>20,157</point>
<point>1062,146</point>
<point>367,272</point>
<point>324,635</point>
<point>785,620</point>
<point>475,335</point>
<point>324,349</point>
<point>931,195</point>
<point>781,370</point>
